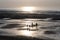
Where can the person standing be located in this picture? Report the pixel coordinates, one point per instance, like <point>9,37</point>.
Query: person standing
<point>36,25</point>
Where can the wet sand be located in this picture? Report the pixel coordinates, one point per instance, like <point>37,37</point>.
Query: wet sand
<point>49,30</point>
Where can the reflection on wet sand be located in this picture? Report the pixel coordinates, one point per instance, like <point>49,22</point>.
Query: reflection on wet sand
<point>27,33</point>
<point>30,27</point>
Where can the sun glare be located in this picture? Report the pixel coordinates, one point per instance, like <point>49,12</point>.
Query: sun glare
<point>28,9</point>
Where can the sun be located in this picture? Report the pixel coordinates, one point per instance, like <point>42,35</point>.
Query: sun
<point>28,9</point>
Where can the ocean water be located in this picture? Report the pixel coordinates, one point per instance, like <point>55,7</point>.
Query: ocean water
<point>45,28</point>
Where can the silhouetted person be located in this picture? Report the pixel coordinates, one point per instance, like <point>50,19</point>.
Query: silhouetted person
<point>32,25</point>
<point>36,25</point>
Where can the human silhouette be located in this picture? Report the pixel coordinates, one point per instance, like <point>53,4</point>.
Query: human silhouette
<point>32,25</point>
<point>36,25</point>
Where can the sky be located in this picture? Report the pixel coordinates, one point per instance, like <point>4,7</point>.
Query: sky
<point>41,4</point>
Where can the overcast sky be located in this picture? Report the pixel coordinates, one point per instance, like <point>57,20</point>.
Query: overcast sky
<point>42,4</point>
